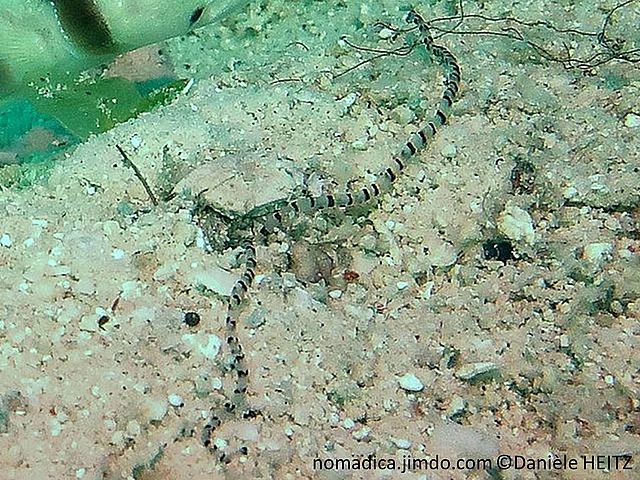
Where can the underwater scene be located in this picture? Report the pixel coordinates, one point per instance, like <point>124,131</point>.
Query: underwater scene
<point>307,239</point>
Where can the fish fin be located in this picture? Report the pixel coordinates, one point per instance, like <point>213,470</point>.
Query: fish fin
<point>32,43</point>
<point>91,108</point>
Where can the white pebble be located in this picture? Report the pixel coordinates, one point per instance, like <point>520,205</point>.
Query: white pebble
<point>136,141</point>
<point>472,370</point>
<point>362,433</point>
<point>458,405</point>
<point>335,294</point>
<point>216,383</point>
<point>386,33</point>
<point>5,240</point>
<point>516,224</point>
<point>449,151</point>
<point>402,285</point>
<point>359,144</point>
<point>401,443</point>
<point>410,383</point>
<point>133,428</point>
<point>117,253</point>
<point>597,252</point>
<point>569,192</point>
<point>348,423</point>
<point>175,400</point>
<point>632,120</point>
<point>347,102</point>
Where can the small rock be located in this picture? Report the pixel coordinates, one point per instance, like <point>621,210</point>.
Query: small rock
<point>191,319</point>
<point>516,224</point>
<point>410,383</point>
<point>472,370</point>
<point>288,280</point>
<point>175,400</point>
<point>133,428</point>
<point>402,285</point>
<point>257,318</point>
<point>117,254</point>
<point>361,434</point>
<point>597,252</point>
<point>458,405</point>
<point>401,443</point>
<point>207,345</point>
<point>386,33</point>
<point>449,151</point>
<point>347,102</point>
<point>216,383</point>
<point>403,115</point>
<point>359,144</point>
<point>442,255</point>
<point>5,240</point>
<point>570,192</point>
<point>136,141</point>
<point>632,120</point>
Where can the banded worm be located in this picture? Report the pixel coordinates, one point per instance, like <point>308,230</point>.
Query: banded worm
<point>268,220</point>
<point>385,178</point>
<point>237,364</point>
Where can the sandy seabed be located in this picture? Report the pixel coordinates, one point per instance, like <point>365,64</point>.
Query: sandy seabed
<point>414,343</point>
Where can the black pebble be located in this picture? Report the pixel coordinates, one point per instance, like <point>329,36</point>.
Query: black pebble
<point>498,249</point>
<point>191,319</point>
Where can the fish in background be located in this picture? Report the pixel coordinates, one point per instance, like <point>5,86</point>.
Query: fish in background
<point>46,44</point>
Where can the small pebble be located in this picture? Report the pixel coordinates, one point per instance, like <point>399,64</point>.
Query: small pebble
<point>175,400</point>
<point>516,224</point>
<point>458,405</point>
<point>402,285</point>
<point>362,433</point>
<point>117,253</point>
<point>632,120</point>
<point>597,252</point>
<point>570,192</point>
<point>335,294</point>
<point>191,319</point>
<point>470,371</point>
<point>359,144</point>
<point>348,423</point>
<point>133,428</point>
<point>5,240</point>
<point>385,33</point>
<point>401,443</point>
<point>136,141</point>
<point>216,383</point>
<point>288,280</point>
<point>410,383</point>
<point>449,151</point>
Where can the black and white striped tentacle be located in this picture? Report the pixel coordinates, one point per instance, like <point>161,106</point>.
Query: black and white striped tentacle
<point>238,363</point>
<point>417,142</point>
<point>238,292</point>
